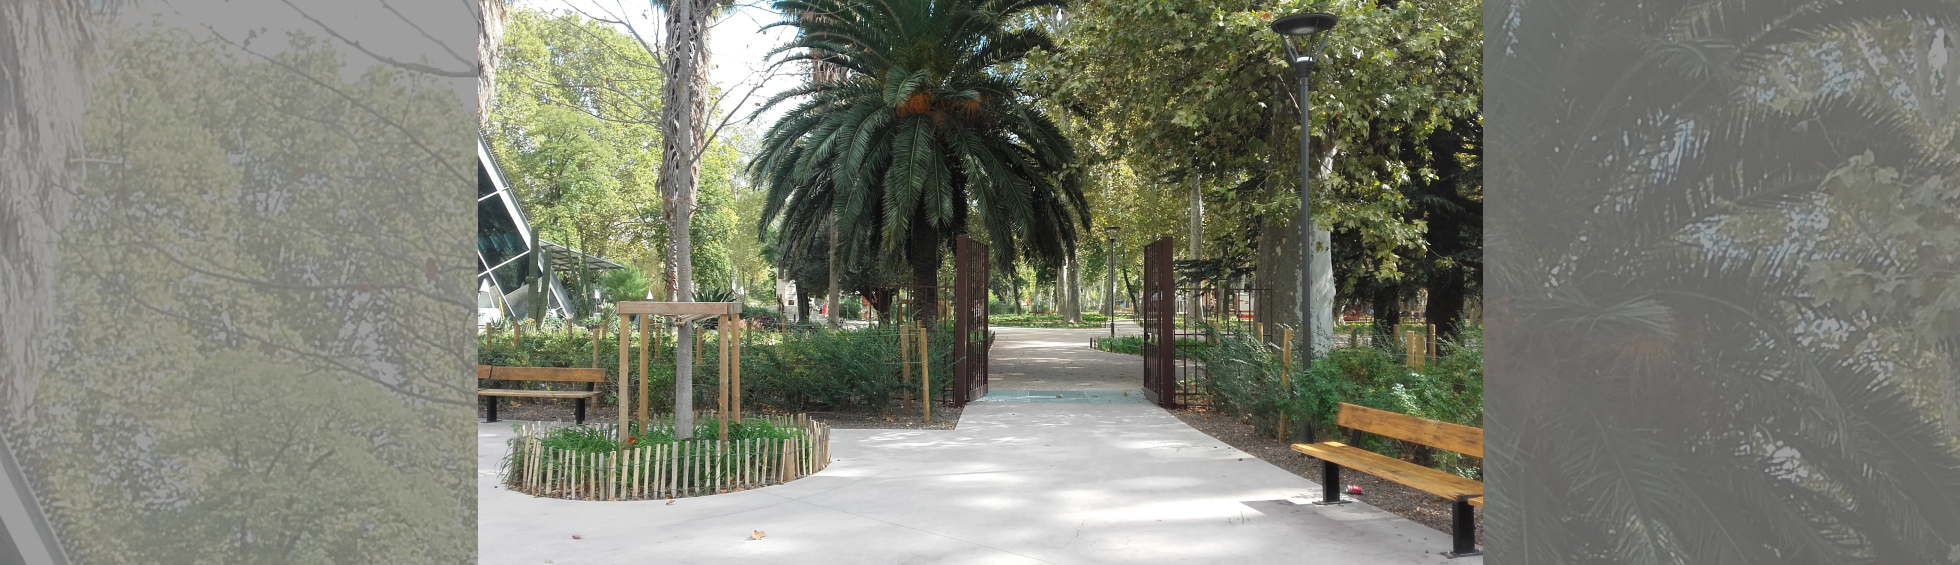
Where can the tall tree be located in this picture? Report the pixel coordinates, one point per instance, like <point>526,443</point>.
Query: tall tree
<point>924,130</point>
<point>1184,88</point>
<point>683,126</point>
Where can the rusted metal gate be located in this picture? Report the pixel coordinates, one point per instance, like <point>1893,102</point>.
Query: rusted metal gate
<point>971,338</point>
<point>1157,312</point>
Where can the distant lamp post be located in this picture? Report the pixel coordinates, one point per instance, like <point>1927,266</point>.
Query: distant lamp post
<point>1303,35</point>
<point>1109,294</point>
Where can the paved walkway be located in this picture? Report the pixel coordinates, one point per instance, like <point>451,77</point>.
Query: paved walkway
<point>1019,482</point>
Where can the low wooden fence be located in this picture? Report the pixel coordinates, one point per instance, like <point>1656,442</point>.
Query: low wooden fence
<point>674,470</point>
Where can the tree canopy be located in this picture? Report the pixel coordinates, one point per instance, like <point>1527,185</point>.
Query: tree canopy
<point>923,129</point>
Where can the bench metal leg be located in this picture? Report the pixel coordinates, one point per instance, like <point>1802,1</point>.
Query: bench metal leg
<point>1330,483</point>
<point>580,411</point>
<point>1463,530</point>
<point>489,408</point>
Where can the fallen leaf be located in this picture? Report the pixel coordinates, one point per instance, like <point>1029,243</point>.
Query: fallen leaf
<point>576,536</point>
<point>670,502</point>
<point>756,536</point>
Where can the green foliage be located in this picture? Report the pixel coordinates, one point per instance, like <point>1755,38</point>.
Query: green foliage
<point>627,284</point>
<point>1186,347</point>
<point>847,369</point>
<point>838,369</point>
<point>1181,93</point>
<point>572,123</point>
<point>923,134</point>
<point>1243,377</point>
<point>600,438</point>
<point>1044,320</point>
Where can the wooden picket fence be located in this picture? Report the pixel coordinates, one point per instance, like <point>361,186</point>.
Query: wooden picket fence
<point>674,470</point>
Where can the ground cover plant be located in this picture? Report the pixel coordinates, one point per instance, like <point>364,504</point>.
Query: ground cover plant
<point>1045,320</point>
<point>1187,348</point>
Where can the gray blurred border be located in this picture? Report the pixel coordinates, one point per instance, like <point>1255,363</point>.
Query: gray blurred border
<point>1722,322</point>
<point>236,286</point>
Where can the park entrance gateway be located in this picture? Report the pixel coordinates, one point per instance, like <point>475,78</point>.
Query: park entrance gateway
<point>971,336</point>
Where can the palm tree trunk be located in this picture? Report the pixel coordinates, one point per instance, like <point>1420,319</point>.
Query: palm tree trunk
<point>831,304</point>
<point>680,125</point>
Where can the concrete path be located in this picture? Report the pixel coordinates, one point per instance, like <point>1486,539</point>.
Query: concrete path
<point>1060,359</point>
<point>1068,481</point>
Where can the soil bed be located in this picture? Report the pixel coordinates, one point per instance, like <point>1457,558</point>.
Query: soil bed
<point>1424,508</point>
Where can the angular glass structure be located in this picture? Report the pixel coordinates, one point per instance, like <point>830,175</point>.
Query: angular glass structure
<point>504,244</point>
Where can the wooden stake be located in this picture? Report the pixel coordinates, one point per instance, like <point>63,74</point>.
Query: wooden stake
<point>721,353</point>
<point>1285,375</point>
<point>905,359</point>
<point>735,364</point>
<point>625,377</point>
<point>517,334</point>
<point>925,376</point>
<point>646,332</point>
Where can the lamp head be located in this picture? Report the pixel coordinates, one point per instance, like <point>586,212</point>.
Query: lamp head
<point>1111,230</point>
<point>1297,30</point>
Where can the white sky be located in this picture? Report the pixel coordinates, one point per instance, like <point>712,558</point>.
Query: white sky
<point>737,44</point>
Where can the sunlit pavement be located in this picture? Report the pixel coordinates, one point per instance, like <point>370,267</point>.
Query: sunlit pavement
<point>1016,483</point>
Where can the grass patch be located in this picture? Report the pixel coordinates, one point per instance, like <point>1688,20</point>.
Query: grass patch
<point>1186,348</point>
<point>1045,320</point>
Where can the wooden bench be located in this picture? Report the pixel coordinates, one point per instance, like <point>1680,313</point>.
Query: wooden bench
<point>591,378</point>
<point>1464,493</point>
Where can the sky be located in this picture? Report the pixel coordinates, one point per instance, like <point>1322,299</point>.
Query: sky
<point>737,45</point>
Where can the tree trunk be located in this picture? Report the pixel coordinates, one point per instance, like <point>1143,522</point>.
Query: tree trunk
<point>680,128</point>
<point>1387,302</point>
<point>831,304</point>
<point>1277,305</point>
<point>1445,307</point>
<point>922,252</point>
<point>1072,289</point>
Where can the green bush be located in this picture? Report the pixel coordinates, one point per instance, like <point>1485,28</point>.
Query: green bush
<point>837,369</point>
<point>1186,347</point>
<point>795,370</point>
<point>1044,320</point>
<point>1242,377</point>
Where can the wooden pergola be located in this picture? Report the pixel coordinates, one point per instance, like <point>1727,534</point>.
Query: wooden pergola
<point>729,313</point>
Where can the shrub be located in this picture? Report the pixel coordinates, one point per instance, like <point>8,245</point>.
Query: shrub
<point>1242,378</point>
<point>795,370</point>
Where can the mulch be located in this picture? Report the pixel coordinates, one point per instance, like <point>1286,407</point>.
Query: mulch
<point>1421,507</point>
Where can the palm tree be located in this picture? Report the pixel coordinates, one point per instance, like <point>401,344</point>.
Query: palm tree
<point>925,130</point>
<point>1680,373</point>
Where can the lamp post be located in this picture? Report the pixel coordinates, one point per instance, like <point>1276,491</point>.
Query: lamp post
<point>1303,35</point>
<point>1109,293</point>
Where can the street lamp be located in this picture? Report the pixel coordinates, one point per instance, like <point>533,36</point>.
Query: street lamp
<point>1303,36</point>
<point>1109,294</point>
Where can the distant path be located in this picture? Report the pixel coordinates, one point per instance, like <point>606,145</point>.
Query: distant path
<point>1059,359</point>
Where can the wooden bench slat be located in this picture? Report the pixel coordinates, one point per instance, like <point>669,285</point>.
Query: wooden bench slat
<point>482,372</point>
<point>1416,476</point>
<point>1477,501</point>
<point>538,393</point>
<point>573,375</point>
<point>1454,437</point>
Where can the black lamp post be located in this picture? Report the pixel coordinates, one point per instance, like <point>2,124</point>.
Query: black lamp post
<point>1109,294</point>
<point>1303,35</point>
